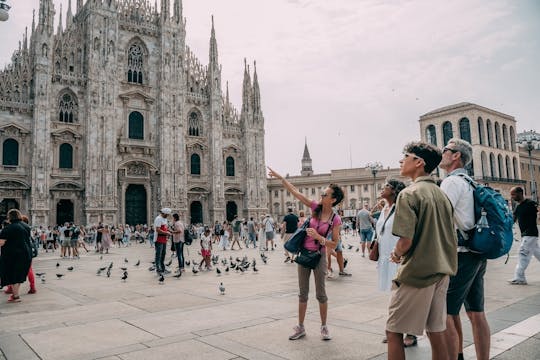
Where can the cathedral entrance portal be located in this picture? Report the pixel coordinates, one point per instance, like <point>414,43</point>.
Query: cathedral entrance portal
<point>64,211</point>
<point>5,206</point>
<point>232,210</point>
<point>195,209</point>
<point>136,205</point>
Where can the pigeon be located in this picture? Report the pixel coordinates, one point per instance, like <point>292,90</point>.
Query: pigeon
<point>195,271</point>
<point>169,263</point>
<point>125,276</point>
<point>264,260</point>
<point>43,280</point>
<point>123,268</point>
<point>57,264</point>
<point>161,279</point>
<point>40,274</point>
<point>221,289</point>
<point>255,269</point>
<point>110,265</point>
<point>241,269</point>
<point>349,246</point>
<point>218,271</point>
<point>227,269</point>
<point>233,266</point>
<point>70,268</point>
<point>108,272</point>
<point>357,249</point>
<point>345,262</point>
<point>59,276</point>
<point>151,268</point>
<point>126,260</point>
<point>178,275</point>
<point>253,263</point>
<point>138,263</point>
<point>188,262</point>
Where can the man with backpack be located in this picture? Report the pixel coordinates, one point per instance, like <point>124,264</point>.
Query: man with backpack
<point>525,214</point>
<point>467,286</point>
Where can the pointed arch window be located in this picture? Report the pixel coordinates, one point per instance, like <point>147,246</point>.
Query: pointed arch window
<point>465,129</point>
<point>67,108</point>
<point>66,156</point>
<point>195,164</point>
<point>229,166</point>
<point>431,135</point>
<point>492,166</point>
<point>516,167</point>
<point>194,124</point>
<point>135,64</point>
<point>508,170</point>
<point>481,136</point>
<point>10,153</point>
<point>447,132</point>
<point>136,125</point>
<point>501,165</point>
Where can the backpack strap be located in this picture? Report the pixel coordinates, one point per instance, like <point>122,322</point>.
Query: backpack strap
<point>468,179</point>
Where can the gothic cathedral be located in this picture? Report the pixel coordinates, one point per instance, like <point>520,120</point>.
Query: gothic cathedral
<point>113,117</point>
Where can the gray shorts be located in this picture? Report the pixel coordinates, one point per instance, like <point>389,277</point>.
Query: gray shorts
<point>269,235</point>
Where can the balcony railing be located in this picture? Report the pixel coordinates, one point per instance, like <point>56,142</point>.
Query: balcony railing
<point>502,180</point>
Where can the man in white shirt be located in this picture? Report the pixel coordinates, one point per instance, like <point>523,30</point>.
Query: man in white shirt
<point>467,286</point>
<point>160,238</point>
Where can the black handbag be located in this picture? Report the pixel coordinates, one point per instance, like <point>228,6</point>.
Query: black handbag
<point>310,259</point>
<point>294,244</point>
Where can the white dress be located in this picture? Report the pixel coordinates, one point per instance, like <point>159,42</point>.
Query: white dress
<point>386,269</point>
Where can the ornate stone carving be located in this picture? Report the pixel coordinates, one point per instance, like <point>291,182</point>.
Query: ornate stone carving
<point>137,169</point>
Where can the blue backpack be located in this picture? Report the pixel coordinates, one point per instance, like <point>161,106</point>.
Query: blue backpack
<point>492,236</point>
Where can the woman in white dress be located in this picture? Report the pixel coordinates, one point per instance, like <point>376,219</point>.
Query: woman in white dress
<point>387,241</point>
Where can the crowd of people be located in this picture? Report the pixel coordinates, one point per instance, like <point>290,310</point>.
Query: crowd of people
<point>421,231</point>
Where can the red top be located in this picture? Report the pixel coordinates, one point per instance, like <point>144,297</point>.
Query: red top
<point>161,238</point>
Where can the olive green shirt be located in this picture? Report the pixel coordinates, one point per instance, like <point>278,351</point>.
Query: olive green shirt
<point>425,215</point>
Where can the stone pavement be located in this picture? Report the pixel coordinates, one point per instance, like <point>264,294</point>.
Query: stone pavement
<point>84,316</point>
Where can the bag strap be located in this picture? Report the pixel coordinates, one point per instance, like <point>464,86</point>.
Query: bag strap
<point>388,217</point>
<point>468,179</point>
<point>330,225</point>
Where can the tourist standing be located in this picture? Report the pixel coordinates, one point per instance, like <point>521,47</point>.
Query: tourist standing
<point>160,238</point>
<point>268,225</point>
<point>178,241</point>
<point>288,228</point>
<point>252,233</point>
<point>365,222</point>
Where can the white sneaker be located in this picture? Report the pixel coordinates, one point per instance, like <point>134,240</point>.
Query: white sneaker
<point>299,332</point>
<point>517,282</point>
<point>325,335</point>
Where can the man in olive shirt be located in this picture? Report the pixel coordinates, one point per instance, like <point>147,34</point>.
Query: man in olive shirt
<point>427,251</point>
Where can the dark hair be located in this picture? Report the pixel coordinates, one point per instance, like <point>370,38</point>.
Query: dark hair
<point>518,189</point>
<point>396,185</point>
<point>14,215</point>
<point>25,219</point>
<point>176,217</point>
<point>337,194</point>
<point>431,155</point>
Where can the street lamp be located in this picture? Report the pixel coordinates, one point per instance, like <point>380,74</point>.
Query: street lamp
<point>374,167</point>
<point>4,8</point>
<point>530,148</point>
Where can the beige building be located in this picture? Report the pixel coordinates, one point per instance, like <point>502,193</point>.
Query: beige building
<point>492,134</point>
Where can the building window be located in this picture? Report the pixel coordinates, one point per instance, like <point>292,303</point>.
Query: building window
<point>508,172</point>
<point>512,139</point>
<point>489,133</point>
<point>136,126</point>
<point>10,153</point>
<point>492,165</point>
<point>301,206</point>
<point>135,64</point>
<point>352,188</point>
<point>497,135</point>
<point>229,166</point>
<point>67,108</point>
<point>465,129</point>
<point>481,131</point>
<point>431,135</point>
<point>66,156</point>
<point>312,191</point>
<point>447,132</point>
<point>501,166</point>
<point>276,193</point>
<point>484,164</point>
<point>195,164</point>
<point>505,137</point>
<point>365,188</point>
<point>194,126</point>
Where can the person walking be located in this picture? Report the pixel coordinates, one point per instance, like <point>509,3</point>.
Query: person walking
<point>423,217</point>
<point>288,228</point>
<point>322,233</point>
<point>236,229</point>
<point>365,222</point>
<point>269,231</point>
<point>252,233</point>
<point>525,214</point>
<point>161,233</point>
<point>178,241</point>
<point>467,286</point>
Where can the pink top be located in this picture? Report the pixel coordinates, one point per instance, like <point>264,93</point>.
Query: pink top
<point>321,227</point>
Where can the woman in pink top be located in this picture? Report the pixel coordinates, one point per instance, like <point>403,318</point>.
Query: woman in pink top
<point>323,232</point>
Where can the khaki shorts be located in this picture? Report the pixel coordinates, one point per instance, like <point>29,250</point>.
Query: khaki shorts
<point>412,310</point>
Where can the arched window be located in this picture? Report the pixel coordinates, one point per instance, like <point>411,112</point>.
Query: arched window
<point>497,135</point>
<point>195,164</point>
<point>431,135</point>
<point>10,153</point>
<point>492,166</point>
<point>489,133</point>
<point>512,139</point>
<point>135,64</point>
<point>194,126</point>
<point>516,168</point>
<point>229,166</point>
<point>67,108</point>
<point>481,136</point>
<point>136,125</point>
<point>484,164</point>
<point>465,129</point>
<point>505,137</point>
<point>447,132</point>
<point>66,156</point>
<point>501,165</point>
<point>508,172</point>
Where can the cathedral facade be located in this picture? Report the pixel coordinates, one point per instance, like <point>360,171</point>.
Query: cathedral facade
<point>113,117</point>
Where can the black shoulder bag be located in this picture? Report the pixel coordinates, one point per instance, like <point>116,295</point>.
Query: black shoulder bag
<point>310,259</point>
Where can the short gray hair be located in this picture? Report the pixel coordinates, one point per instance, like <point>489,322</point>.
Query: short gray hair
<point>464,148</point>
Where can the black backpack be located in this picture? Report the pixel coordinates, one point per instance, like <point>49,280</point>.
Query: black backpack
<point>188,237</point>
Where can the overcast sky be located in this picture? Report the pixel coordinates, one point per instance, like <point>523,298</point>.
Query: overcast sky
<point>354,76</point>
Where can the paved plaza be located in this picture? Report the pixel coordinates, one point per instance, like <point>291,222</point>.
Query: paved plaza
<point>85,316</point>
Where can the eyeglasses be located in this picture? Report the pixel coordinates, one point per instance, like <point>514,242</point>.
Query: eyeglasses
<point>445,149</point>
<point>323,195</point>
<point>389,186</point>
<point>406,155</point>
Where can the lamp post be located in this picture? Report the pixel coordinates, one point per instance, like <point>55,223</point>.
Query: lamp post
<point>530,148</point>
<point>374,167</point>
<point>4,8</point>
